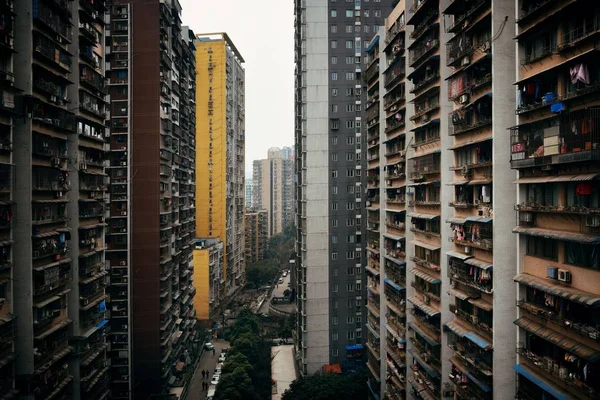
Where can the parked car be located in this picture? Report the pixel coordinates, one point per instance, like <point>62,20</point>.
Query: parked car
<point>222,358</point>
<point>285,274</point>
<point>280,280</point>
<point>211,392</point>
<point>215,380</point>
<point>209,346</point>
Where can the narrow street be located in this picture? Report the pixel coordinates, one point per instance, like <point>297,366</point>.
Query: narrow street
<point>207,362</point>
<point>277,292</point>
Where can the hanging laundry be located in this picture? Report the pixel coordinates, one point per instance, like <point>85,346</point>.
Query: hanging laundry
<point>580,73</point>
<point>584,189</point>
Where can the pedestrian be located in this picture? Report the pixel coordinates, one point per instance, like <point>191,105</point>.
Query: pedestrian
<point>214,351</point>
<point>203,374</point>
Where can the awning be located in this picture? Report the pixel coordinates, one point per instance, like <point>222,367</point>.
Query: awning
<point>423,216</point>
<point>430,371</point>
<point>457,183</point>
<point>462,368</point>
<point>427,337</point>
<point>425,245</point>
<point>393,237</point>
<point>393,284</point>
<point>425,276</point>
<point>479,219</point>
<point>482,304</point>
<point>456,254</point>
<point>559,178</point>
<point>60,325</point>
<point>456,221</point>
<point>547,286</point>
<point>558,235</point>
<point>485,265</point>
<point>554,66</point>
<point>423,183</point>
<point>468,334</point>
<point>54,264</point>
<point>373,331</point>
<point>372,44</point>
<point>470,143</point>
<point>542,383</point>
<point>432,312</point>
<point>458,294</point>
<point>455,328</point>
<point>396,261</point>
<point>45,302</point>
<point>355,347</point>
<point>558,339</point>
<point>480,182</point>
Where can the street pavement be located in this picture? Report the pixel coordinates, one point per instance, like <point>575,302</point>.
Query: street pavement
<point>277,292</point>
<point>207,362</point>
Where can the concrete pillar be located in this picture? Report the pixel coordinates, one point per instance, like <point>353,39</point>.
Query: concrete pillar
<point>504,198</point>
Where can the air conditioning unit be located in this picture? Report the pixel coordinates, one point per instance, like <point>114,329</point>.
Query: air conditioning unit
<point>592,221</point>
<point>123,213</point>
<point>465,61</point>
<point>426,299</point>
<point>122,263</point>
<point>468,250</point>
<point>486,46</point>
<point>552,272</point>
<point>463,99</point>
<point>123,163</point>
<point>564,275</point>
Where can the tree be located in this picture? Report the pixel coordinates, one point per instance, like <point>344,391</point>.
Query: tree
<point>261,274</point>
<point>328,387</point>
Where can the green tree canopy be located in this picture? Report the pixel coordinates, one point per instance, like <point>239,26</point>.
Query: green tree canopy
<point>328,387</point>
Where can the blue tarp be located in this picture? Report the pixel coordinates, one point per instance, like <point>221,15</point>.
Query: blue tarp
<point>372,44</point>
<point>476,381</point>
<point>393,284</point>
<point>355,347</point>
<point>478,340</point>
<point>430,371</point>
<point>535,379</point>
<point>424,335</point>
<point>102,323</point>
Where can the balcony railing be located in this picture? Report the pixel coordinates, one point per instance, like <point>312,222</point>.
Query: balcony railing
<point>52,52</point>
<point>459,19</point>
<point>397,71</point>
<point>418,53</point>
<point>461,275</point>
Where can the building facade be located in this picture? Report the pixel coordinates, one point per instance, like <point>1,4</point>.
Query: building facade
<point>151,197</point>
<point>435,156</point>
<point>257,236</point>
<point>208,272</point>
<point>53,248</point>
<point>249,188</point>
<point>273,187</point>
<point>554,148</point>
<point>220,146</point>
<point>330,39</point>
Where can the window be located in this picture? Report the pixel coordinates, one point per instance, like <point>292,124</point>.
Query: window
<point>350,272</point>
<point>335,124</point>
<point>334,206</point>
<point>377,13</point>
<point>334,352</point>
<point>349,13</point>
<point>334,140</point>
<point>349,107</point>
<point>366,28</point>
<point>334,222</point>
<point>349,303</point>
<point>335,304</point>
<point>334,108</point>
<point>334,190</point>
<point>349,92</point>
<point>350,319</point>
<point>350,190</point>
<point>349,28</point>
<point>334,44</point>
<point>358,333</point>
<point>375,28</point>
<point>349,76</point>
<point>350,287</point>
<point>358,288</point>
<point>334,60</point>
<point>543,248</point>
<point>350,124</point>
<point>349,255</point>
<point>349,60</point>
<point>334,272</point>
<point>334,289</point>
<point>350,222</point>
<point>334,92</point>
<point>584,255</point>
<point>350,140</point>
<point>334,76</point>
<point>358,320</point>
<point>333,28</point>
<point>350,173</point>
<point>334,173</point>
<point>350,238</point>
<point>350,335</point>
<point>334,255</point>
<point>349,205</point>
<point>334,239</point>
<point>334,320</point>
<point>334,336</point>
<point>366,13</point>
<point>333,13</point>
<point>348,44</point>
<point>334,157</point>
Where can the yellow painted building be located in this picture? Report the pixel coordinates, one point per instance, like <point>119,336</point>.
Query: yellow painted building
<point>220,188</point>
<point>208,267</point>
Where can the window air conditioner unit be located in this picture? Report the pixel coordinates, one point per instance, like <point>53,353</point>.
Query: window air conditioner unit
<point>123,213</point>
<point>463,99</point>
<point>465,61</point>
<point>468,250</point>
<point>564,275</point>
<point>122,263</point>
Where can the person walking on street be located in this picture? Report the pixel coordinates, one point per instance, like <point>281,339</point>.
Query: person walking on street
<point>203,374</point>
<point>213,351</point>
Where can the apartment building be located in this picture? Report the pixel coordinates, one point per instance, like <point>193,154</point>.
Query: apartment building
<point>151,213</point>
<point>554,148</point>
<point>257,235</point>
<point>208,270</point>
<point>330,165</point>
<point>435,155</point>
<point>220,146</point>
<point>54,275</point>
<point>249,188</point>
<point>273,180</point>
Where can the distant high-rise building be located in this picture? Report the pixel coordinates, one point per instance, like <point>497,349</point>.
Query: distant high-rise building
<point>151,197</point>
<point>273,188</point>
<point>220,146</point>
<point>287,153</point>
<point>257,236</point>
<point>330,158</point>
<point>249,186</point>
<point>208,271</point>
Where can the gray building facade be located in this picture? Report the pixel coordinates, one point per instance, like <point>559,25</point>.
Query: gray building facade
<point>330,41</point>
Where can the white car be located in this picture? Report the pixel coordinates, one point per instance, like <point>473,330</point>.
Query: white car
<point>222,358</point>
<point>209,346</point>
<point>215,380</point>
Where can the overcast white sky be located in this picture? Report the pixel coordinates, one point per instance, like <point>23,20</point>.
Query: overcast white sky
<point>263,31</point>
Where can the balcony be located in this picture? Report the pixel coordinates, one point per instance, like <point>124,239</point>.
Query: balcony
<point>468,120</point>
<point>561,144</point>
<point>52,116</point>
<point>418,53</point>
<point>92,105</point>
<point>48,213</point>
<point>395,122</point>
<point>393,74</point>
<point>93,182</point>
<point>50,52</point>
<point>461,272</point>
<point>93,79</point>
<point>426,106</point>
<point>466,14</point>
<point>50,19</point>
<point>392,100</point>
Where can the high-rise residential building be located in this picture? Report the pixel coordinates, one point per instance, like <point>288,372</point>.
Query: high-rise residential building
<point>442,155</point>
<point>257,235</point>
<point>330,166</point>
<point>273,188</point>
<point>287,153</point>
<point>555,148</point>
<point>151,212</point>
<point>53,145</point>
<point>220,146</point>
<point>249,186</point>
<point>208,272</point>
